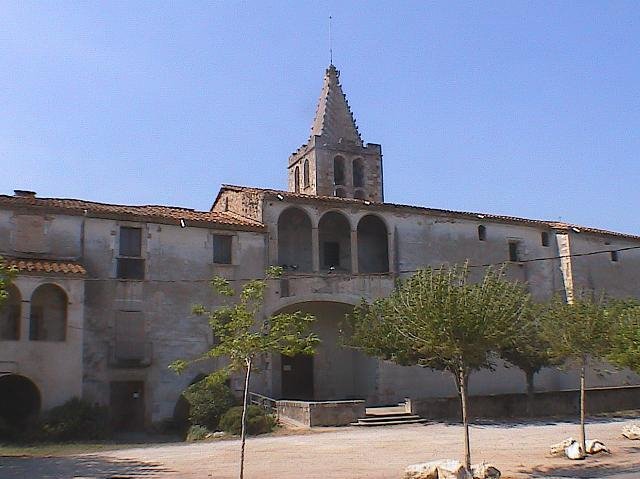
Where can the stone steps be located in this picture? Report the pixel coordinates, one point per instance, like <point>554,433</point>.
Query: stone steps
<point>389,419</point>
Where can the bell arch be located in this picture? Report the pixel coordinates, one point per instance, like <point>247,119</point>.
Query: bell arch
<point>334,238</point>
<point>48,321</point>
<point>294,240</point>
<point>373,245</point>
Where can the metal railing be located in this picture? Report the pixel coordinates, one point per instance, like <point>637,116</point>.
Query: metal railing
<point>266,403</point>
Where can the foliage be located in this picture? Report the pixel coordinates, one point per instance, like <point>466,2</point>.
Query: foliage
<point>208,400</point>
<point>625,341</point>
<point>258,422</point>
<point>437,318</point>
<point>7,274</point>
<point>242,333</point>
<point>75,419</point>
<point>197,433</point>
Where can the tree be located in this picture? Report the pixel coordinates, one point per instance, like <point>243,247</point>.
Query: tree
<point>437,318</point>
<point>7,274</point>
<point>577,331</point>
<point>625,341</point>
<point>241,336</point>
<point>529,350</point>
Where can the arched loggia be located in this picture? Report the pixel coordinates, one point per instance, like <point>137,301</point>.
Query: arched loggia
<point>294,240</point>
<point>373,249</point>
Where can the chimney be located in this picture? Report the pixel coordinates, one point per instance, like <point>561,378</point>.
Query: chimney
<point>24,193</point>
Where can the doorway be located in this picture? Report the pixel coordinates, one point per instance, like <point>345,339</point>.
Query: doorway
<point>297,377</point>
<point>127,405</point>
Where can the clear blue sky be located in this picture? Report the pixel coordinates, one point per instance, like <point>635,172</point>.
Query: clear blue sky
<point>523,108</point>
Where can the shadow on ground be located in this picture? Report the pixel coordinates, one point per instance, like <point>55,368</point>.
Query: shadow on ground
<point>84,467</point>
<point>584,471</point>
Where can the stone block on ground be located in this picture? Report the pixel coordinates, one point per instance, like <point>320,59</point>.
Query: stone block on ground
<point>484,471</point>
<point>594,447</point>
<point>574,451</point>
<point>443,469</point>
<point>558,449</point>
<point>631,431</point>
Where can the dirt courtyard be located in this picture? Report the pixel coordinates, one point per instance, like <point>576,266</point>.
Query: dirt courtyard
<point>519,451</point>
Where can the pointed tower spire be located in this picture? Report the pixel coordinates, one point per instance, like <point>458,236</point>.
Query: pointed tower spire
<point>334,121</point>
<point>335,162</point>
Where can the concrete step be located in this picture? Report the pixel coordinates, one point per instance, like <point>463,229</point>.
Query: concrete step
<point>389,417</point>
<point>371,423</point>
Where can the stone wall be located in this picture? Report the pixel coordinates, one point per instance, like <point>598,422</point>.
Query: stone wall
<point>323,413</point>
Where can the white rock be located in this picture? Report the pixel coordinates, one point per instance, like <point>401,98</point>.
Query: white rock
<point>219,434</point>
<point>443,469</point>
<point>631,431</point>
<point>485,471</point>
<point>594,447</point>
<point>558,449</point>
<point>574,451</point>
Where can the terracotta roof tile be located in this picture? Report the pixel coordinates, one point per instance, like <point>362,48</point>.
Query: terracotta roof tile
<point>164,214</point>
<point>436,211</point>
<point>47,266</point>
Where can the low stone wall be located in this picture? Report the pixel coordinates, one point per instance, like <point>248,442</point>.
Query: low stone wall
<point>553,403</point>
<point>321,413</point>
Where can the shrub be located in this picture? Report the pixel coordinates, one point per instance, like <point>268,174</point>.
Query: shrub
<point>258,422</point>
<point>208,400</point>
<point>197,433</point>
<point>75,419</point>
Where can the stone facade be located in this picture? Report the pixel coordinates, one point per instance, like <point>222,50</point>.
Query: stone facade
<point>131,274</point>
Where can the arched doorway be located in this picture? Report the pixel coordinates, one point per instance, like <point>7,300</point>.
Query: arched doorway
<point>334,234</point>
<point>19,399</point>
<point>294,240</point>
<point>334,372</point>
<point>373,249</point>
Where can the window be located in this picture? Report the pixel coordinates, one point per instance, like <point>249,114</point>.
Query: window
<point>48,320</point>
<point>513,251</point>
<point>130,339</point>
<point>296,180</point>
<point>331,254</point>
<point>222,249</point>
<point>338,170</point>
<point>614,256</point>
<point>130,262</point>
<point>305,174</point>
<point>544,238</point>
<point>358,172</point>
<point>482,232</point>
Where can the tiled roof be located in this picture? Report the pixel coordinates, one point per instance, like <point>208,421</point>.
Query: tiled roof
<point>29,265</point>
<point>434,211</point>
<point>161,214</point>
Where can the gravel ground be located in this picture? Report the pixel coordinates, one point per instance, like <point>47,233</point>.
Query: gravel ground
<point>518,450</point>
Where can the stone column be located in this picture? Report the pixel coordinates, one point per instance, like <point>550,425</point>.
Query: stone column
<point>391,251</point>
<point>354,251</point>
<point>25,319</point>
<point>273,247</point>
<point>315,249</point>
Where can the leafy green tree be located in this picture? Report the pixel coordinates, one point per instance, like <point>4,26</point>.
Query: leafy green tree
<point>437,318</point>
<point>578,332</point>
<point>625,341</point>
<point>529,350</point>
<point>208,400</point>
<point>7,274</point>
<point>242,334</point>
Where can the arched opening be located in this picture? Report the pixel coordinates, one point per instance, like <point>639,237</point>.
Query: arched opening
<point>338,170</point>
<point>294,240</point>
<point>305,174</point>
<point>340,193</point>
<point>10,315</point>
<point>334,234</point>
<point>334,372</point>
<point>359,195</point>
<point>48,320</point>
<point>19,399</point>
<point>482,233</point>
<point>373,246</point>
<point>358,172</point>
<point>296,180</point>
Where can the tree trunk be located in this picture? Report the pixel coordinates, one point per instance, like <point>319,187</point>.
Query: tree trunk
<point>243,434</point>
<point>583,436</point>
<point>462,384</point>
<point>530,392</point>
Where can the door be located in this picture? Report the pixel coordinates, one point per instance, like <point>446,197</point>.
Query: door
<point>127,405</point>
<point>297,377</point>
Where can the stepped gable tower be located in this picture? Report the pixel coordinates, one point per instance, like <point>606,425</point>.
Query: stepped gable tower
<point>335,162</point>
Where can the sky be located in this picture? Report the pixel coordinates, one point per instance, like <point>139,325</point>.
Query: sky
<point>528,109</point>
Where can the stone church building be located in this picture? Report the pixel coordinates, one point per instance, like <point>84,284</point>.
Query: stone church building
<point>102,302</point>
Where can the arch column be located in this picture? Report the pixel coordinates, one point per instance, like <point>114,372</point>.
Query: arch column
<point>315,249</point>
<point>25,319</point>
<point>354,251</point>
<point>391,241</point>
<point>273,247</point>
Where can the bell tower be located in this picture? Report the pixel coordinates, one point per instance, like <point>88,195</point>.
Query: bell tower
<point>335,161</point>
